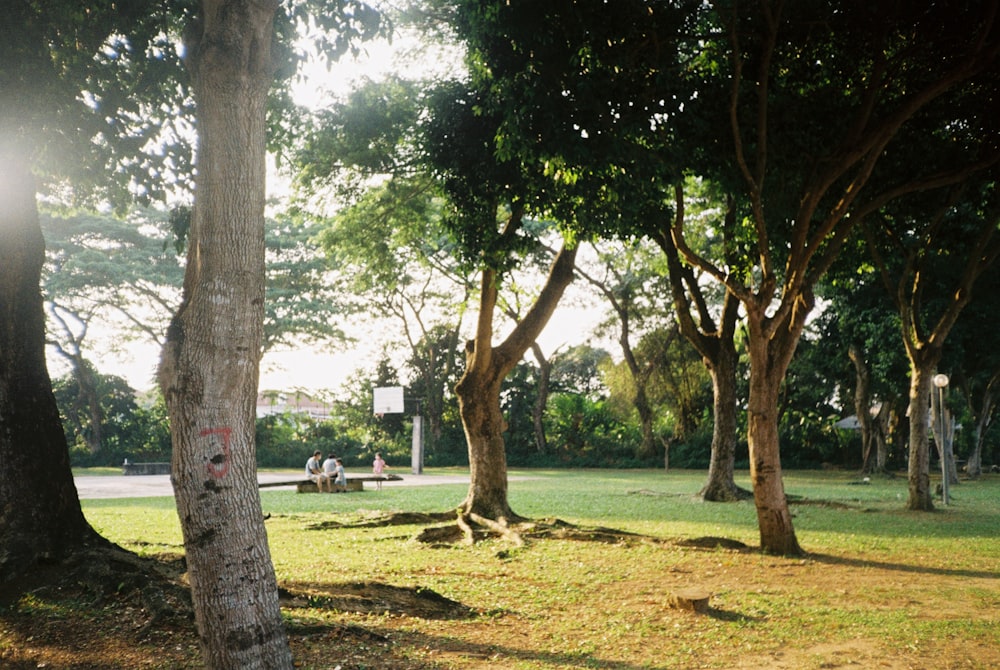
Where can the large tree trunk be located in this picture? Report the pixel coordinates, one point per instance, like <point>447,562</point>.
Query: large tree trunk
<point>209,366</point>
<point>479,407</point>
<point>478,390</point>
<point>40,514</point>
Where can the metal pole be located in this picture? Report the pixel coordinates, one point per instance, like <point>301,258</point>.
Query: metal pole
<point>941,382</point>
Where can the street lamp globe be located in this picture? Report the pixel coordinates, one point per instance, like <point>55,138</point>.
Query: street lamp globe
<point>940,380</point>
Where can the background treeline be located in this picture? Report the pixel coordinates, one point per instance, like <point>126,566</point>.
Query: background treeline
<point>588,421</point>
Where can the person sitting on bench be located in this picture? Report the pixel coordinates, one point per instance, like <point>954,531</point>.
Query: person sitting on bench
<point>339,477</point>
<point>315,473</point>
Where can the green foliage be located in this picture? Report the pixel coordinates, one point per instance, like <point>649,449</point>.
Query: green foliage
<point>129,430</point>
<point>97,96</point>
<point>585,433</point>
<point>808,436</point>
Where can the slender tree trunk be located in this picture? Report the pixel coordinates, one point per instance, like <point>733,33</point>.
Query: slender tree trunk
<point>40,514</point>
<point>984,417</point>
<point>721,485</point>
<point>647,448</point>
<point>862,405</point>
<point>715,341</point>
<point>883,421</point>
<point>542,401</point>
<point>209,366</point>
<point>974,463</point>
<point>89,399</point>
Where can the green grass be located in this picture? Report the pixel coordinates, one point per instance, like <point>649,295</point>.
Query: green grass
<point>878,582</point>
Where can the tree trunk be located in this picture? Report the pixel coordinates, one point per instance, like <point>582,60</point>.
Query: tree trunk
<point>974,463</point>
<point>882,423</point>
<point>777,535</point>
<point>984,417</point>
<point>647,448</point>
<point>40,514</point>
<point>862,405</point>
<point>918,472</point>
<point>542,401</point>
<point>478,390</point>
<point>715,341</point>
<point>479,407</point>
<point>721,485</point>
<point>209,366</point>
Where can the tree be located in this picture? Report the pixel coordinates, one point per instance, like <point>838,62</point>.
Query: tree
<point>490,199</point>
<point>979,381</point>
<point>627,277</point>
<point>41,514</point>
<point>209,367</point>
<point>63,116</point>
<point>394,250</point>
<point>789,111</point>
<point>104,268</point>
<point>712,332</point>
<point>387,239</point>
<point>944,240</point>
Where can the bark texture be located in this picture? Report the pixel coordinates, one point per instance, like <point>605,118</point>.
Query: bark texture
<point>209,366</point>
<point>770,355</point>
<point>40,516</point>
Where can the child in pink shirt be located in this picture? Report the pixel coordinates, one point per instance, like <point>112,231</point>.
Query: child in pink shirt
<point>377,468</point>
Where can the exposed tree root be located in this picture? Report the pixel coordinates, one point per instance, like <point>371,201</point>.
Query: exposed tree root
<point>380,519</point>
<point>724,493</point>
<point>469,529</point>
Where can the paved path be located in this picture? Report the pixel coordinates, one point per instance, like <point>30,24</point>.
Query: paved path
<point>145,486</point>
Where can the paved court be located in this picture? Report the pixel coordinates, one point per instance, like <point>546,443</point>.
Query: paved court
<point>145,486</point>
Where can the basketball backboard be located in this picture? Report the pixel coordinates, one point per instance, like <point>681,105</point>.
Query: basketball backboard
<point>387,400</point>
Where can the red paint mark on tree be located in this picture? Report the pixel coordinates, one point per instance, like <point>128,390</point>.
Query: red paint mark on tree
<point>219,470</point>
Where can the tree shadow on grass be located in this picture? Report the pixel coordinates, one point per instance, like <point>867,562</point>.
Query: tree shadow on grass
<point>502,655</point>
<point>900,567</point>
<point>373,598</point>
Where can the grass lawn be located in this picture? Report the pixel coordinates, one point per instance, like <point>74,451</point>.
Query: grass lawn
<point>880,587</point>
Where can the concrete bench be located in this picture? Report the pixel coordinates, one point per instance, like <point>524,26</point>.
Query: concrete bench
<point>354,483</point>
<point>145,468</point>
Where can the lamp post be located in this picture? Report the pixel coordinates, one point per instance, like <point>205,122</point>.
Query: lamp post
<point>941,382</point>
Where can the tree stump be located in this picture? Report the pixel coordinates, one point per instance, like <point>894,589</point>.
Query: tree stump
<point>691,599</point>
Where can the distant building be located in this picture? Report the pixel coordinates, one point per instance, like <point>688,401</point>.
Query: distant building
<point>293,402</point>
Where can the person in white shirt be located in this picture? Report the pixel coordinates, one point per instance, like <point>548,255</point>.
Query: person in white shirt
<point>315,473</point>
